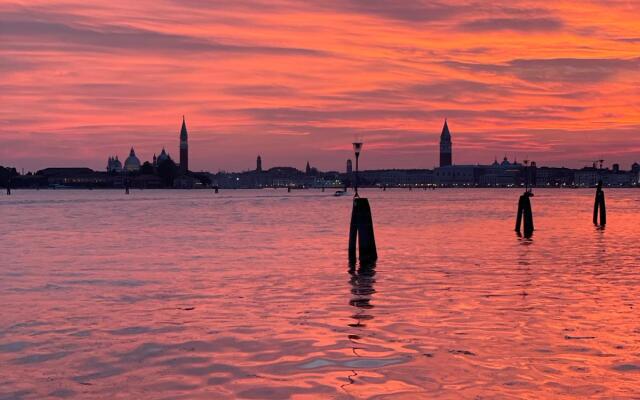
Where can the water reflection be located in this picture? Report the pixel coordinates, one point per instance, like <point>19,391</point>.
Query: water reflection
<point>524,265</point>
<point>460,308</point>
<point>362,281</point>
<point>600,245</point>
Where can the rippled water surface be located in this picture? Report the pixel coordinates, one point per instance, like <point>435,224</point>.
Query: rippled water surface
<point>247,294</point>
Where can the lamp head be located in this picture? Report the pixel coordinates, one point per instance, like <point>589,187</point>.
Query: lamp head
<point>357,147</point>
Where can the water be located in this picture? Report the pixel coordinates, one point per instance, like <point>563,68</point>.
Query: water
<point>247,294</point>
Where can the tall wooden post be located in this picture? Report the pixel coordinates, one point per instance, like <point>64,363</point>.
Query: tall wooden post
<point>525,212</point>
<point>599,206</point>
<point>361,233</point>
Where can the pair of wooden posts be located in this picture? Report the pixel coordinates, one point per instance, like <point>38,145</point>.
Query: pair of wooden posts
<point>599,206</point>
<point>525,213</point>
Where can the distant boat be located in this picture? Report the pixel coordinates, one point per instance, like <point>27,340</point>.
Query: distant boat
<point>339,193</point>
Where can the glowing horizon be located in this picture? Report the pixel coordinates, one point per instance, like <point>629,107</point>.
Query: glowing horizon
<point>297,81</point>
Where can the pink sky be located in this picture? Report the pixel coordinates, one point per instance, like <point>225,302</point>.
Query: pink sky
<point>557,82</point>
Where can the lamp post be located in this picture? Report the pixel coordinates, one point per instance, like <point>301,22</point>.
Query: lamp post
<point>526,175</point>
<point>357,148</point>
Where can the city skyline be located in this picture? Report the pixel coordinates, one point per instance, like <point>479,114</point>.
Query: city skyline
<point>296,82</point>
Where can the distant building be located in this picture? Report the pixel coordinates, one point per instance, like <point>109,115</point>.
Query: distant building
<point>132,163</point>
<point>308,169</point>
<point>349,167</point>
<point>185,182</point>
<point>396,177</point>
<point>446,158</point>
<point>184,148</point>
<point>259,164</point>
<point>502,174</point>
<point>114,165</point>
<point>458,175</point>
<point>76,177</point>
<point>553,176</point>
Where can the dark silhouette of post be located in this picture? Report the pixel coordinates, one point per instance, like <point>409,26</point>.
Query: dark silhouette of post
<point>599,206</point>
<point>215,189</point>
<point>8,186</point>
<point>525,212</point>
<point>361,233</point>
<point>289,189</point>
<point>126,184</point>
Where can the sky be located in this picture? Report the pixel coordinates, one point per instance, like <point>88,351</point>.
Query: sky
<point>296,81</point>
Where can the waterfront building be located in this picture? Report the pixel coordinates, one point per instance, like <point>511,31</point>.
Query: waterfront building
<point>446,157</point>
<point>502,174</point>
<point>396,177</point>
<point>75,177</point>
<point>259,164</point>
<point>349,167</point>
<point>458,175</point>
<point>554,176</point>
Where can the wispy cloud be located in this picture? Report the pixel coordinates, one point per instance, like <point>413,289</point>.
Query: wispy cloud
<point>578,70</point>
<point>513,24</point>
<point>37,35</point>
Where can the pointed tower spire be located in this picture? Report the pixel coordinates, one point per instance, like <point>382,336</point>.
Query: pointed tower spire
<point>184,147</point>
<point>446,158</point>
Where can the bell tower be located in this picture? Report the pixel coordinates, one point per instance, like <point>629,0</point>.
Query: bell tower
<point>446,158</point>
<point>184,148</point>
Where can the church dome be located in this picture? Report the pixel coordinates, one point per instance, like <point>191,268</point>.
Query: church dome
<point>162,157</point>
<point>132,163</point>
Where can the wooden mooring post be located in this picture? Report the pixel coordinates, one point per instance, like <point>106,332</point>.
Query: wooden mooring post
<point>361,233</point>
<point>599,206</point>
<point>525,212</point>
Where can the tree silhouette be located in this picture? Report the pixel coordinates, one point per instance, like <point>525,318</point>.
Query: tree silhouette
<point>146,168</point>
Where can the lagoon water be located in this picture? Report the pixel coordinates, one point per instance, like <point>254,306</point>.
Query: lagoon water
<point>247,294</point>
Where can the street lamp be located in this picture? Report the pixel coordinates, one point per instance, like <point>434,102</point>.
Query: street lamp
<point>526,174</point>
<point>357,148</point>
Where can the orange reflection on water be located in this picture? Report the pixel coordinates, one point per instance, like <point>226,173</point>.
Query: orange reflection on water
<point>247,294</point>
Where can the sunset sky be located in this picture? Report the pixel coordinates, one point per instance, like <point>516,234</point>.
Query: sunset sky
<point>554,81</point>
